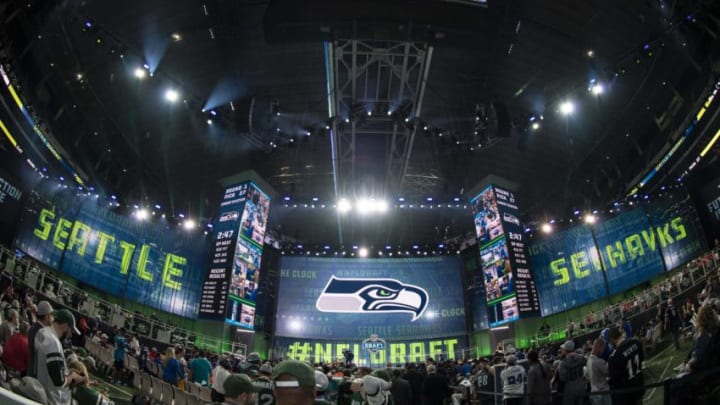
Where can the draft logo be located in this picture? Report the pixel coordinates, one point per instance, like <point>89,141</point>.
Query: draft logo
<point>372,295</point>
<point>374,344</point>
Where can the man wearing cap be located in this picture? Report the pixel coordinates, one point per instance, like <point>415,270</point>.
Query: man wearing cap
<point>239,390</point>
<point>571,374</point>
<point>44,319</point>
<point>50,361</point>
<point>294,383</point>
<point>513,378</point>
<point>264,385</point>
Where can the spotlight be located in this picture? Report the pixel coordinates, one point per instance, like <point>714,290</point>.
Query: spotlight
<point>590,219</point>
<point>535,126</point>
<point>176,37</point>
<point>590,53</point>
<point>364,206</point>
<point>597,89</point>
<point>142,214</point>
<point>546,228</point>
<point>171,95</point>
<point>140,73</point>
<point>381,206</point>
<point>567,108</point>
<point>363,252</point>
<point>344,206</point>
<point>189,224</point>
<point>209,121</point>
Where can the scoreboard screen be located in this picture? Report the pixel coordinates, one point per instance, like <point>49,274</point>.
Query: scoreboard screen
<point>231,284</point>
<point>509,287</point>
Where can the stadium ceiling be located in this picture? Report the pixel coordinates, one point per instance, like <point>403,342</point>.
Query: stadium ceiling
<point>485,83</point>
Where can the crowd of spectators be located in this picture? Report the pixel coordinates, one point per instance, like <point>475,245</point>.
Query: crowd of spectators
<point>37,336</point>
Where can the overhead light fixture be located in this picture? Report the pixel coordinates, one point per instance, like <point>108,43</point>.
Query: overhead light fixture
<point>176,37</point>
<point>344,206</point>
<point>590,53</point>
<point>363,252</point>
<point>171,95</point>
<point>140,73</point>
<point>590,219</point>
<point>546,228</point>
<point>142,214</point>
<point>597,89</point>
<point>535,126</point>
<point>209,121</point>
<point>567,107</point>
<point>189,224</point>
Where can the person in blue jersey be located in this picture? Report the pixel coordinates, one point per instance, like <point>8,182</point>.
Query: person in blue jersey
<point>172,371</point>
<point>121,344</point>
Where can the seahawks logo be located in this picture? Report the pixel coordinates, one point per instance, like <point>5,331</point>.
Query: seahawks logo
<point>379,295</point>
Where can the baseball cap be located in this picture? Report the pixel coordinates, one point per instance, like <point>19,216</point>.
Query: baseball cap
<point>236,384</point>
<point>266,368</point>
<point>568,346</point>
<point>511,359</point>
<point>66,317</point>
<point>303,373</point>
<point>44,308</point>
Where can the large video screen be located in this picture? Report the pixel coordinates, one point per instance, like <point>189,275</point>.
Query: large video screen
<point>567,270</point>
<point>581,264</point>
<point>629,250</point>
<point>155,264</point>
<point>679,231</point>
<point>346,299</point>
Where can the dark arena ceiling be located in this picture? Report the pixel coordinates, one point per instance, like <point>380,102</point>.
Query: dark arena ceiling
<point>465,84</point>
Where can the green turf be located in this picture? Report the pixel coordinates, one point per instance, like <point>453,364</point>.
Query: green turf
<point>659,366</point>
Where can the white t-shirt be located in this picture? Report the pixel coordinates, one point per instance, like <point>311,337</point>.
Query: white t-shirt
<point>219,376</point>
<point>513,379</point>
<point>49,352</point>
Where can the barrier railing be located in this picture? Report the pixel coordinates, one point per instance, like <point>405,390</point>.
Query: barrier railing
<point>55,289</point>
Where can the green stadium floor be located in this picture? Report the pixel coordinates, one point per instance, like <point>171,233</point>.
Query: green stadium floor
<point>660,366</point>
<point>121,395</point>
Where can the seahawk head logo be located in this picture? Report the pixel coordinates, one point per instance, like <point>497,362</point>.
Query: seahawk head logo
<point>372,295</point>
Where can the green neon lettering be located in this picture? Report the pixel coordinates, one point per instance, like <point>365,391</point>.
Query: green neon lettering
<point>79,238</point>
<point>634,246</point>
<point>678,226</point>
<point>416,352</point>
<point>664,235</point>
<point>450,346</point>
<point>172,269</point>
<point>558,268</point>
<point>128,249</point>
<point>580,263</point>
<point>615,254</point>
<point>649,237</point>
<point>397,353</point>
<point>102,246</point>
<point>45,218</point>
<point>62,233</point>
<point>143,264</point>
